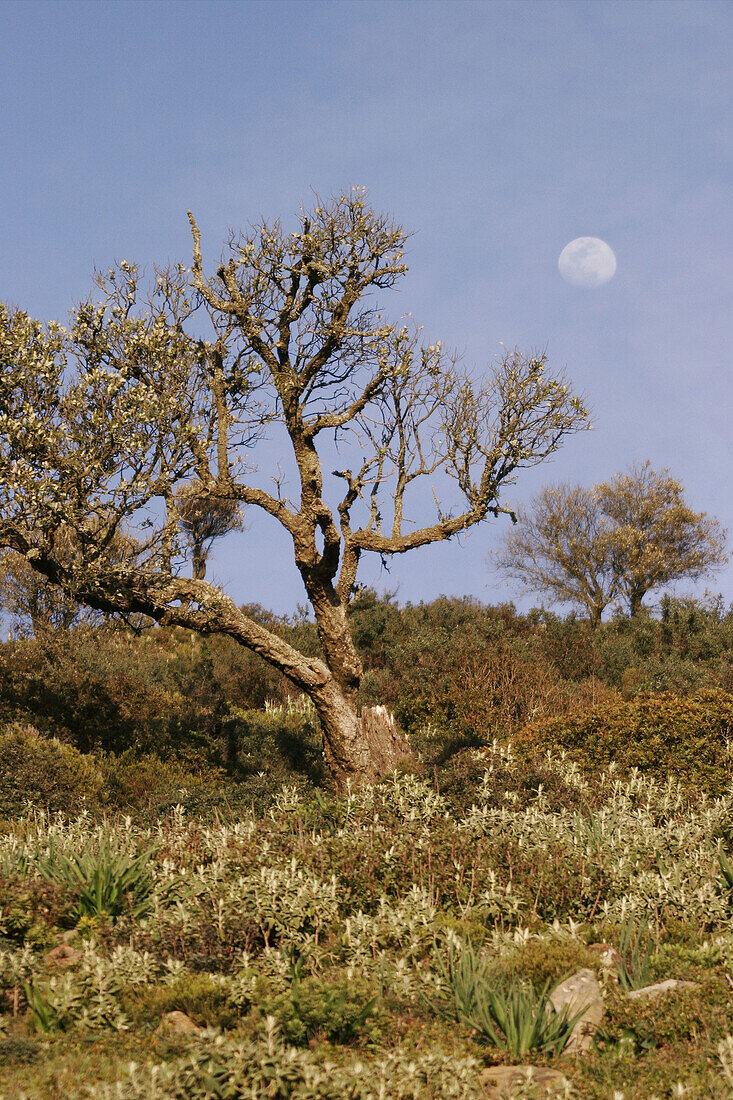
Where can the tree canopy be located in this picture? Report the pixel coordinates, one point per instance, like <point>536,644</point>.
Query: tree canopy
<point>614,542</point>
<point>153,386</point>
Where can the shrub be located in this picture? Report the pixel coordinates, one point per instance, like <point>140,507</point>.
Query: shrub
<point>281,742</point>
<point>31,908</point>
<point>657,733</point>
<point>337,1010</point>
<point>198,995</point>
<point>135,781</point>
<point>541,961</point>
<point>679,1015</point>
<point>473,777</point>
<point>45,773</point>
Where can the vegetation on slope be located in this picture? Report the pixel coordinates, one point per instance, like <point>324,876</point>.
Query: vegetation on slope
<point>167,844</point>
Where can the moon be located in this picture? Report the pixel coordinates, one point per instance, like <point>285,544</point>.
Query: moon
<point>587,262</point>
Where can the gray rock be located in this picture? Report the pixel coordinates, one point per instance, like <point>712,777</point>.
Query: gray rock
<point>580,991</point>
<point>660,987</point>
<point>506,1081</point>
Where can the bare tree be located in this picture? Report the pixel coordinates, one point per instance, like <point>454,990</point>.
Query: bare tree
<point>562,546</point>
<point>618,540</point>
<point>102,423</point>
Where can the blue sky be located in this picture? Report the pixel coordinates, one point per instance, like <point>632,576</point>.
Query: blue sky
<point>497,132</point>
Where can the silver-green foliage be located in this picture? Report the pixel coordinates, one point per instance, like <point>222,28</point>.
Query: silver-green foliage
<point>220,1068</point>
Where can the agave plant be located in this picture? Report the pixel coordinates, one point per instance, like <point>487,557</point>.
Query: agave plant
<point>635,952</point>
<point>515,1017</point>
<point>726,868</point>
<point>105,882</point>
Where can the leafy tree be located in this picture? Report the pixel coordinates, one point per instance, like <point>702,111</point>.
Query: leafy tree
<point>33,603</point>
<point>657,537</point>
<point>204,518</point>
<point>147,389</point>
<point>619,540</point>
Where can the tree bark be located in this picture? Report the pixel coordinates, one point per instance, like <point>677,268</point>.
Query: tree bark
<point>636,595</point>
<point>387,748</point>
<point>357,748</point>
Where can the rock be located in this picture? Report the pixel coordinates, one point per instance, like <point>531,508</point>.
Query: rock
<point>177,1023</point>
<point>64,956</point>
<point>580,991</point>
<point>505,1081</point>
<point>659,988</point>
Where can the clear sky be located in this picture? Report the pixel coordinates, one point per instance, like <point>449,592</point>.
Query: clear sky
<point>496,131</point>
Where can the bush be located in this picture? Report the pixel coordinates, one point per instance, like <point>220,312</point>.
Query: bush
<point>660,734</point>
<point>135,782</point>
<point>335,1010</point>
<point>45,773</point>
<point>540,962</point>
<point>471,776</point>
<point>679,1015</point>
<point>198,995</point>
<point>282,742</point>
<point>32,908</point>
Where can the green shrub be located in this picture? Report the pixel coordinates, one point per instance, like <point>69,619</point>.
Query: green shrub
<point>282,742</point>
<point>542,961</point>
<point>677,1016</point>
<point>198,995</point>
<point>336,1010</point>
<point>104,882</point>
<point>46,773</point>
<point>656,733</point>
<point>471,777</point>
<point>142,781</point>
<point>31,908</point>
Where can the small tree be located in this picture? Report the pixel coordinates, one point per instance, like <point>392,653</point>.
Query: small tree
<point>620,539</point>
<point>203,518</point>
<point>657,537</point>
<point>562,546</point>
<point>102,423</point>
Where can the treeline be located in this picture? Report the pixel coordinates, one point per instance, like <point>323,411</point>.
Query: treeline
<point>454,671</point>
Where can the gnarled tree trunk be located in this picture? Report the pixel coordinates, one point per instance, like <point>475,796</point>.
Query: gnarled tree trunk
<point>358,747</point>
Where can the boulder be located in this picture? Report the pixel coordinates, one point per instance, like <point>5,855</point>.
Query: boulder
<point>504,1081</point>
<point>660,987</point>
<point>177,1023</point>
<point>63,956</point>
<point>580,991</point>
